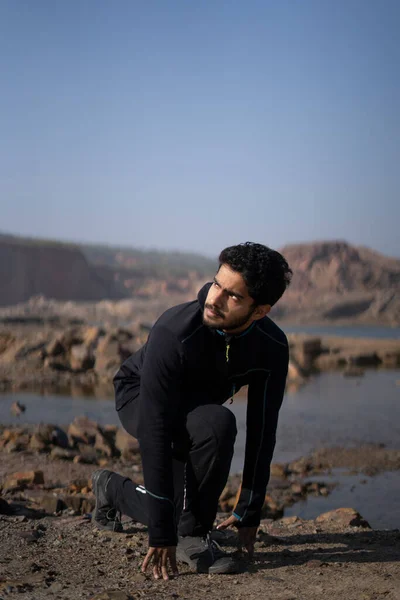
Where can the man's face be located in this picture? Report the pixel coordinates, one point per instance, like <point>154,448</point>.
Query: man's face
<point>228,305</point>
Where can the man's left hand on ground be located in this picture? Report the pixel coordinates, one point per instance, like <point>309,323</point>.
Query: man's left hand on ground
<point>162,559</point>
<point>247,535</point>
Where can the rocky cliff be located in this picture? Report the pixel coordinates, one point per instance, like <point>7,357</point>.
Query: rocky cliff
<point>51,270</point>
<point>334,281</point>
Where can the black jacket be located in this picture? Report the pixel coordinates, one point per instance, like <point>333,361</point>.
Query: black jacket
<point>185,364</point>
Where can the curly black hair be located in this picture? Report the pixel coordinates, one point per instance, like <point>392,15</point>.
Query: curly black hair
<point>265,272</point>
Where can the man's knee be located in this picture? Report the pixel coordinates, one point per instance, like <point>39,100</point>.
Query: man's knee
<point>212,420</point>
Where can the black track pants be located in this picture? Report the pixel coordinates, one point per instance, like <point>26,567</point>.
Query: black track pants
<point>200,473</point>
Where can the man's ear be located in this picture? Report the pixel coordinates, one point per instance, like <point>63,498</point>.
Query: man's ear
<point>261,311</point>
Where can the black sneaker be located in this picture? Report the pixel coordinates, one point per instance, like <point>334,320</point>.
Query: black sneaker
<point>104,515</point>
<point>204,555</point>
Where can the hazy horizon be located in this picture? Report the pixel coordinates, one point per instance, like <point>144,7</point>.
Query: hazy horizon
<point>194,126</point>
<point>172,249</point>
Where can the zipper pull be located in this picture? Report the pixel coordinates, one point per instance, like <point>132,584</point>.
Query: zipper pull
<point>233,393</point>
<point>227,352</point>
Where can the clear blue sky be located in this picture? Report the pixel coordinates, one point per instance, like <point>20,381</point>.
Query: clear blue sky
<point>195,124</point>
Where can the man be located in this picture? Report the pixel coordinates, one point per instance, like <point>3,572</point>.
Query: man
<point>169,395</point>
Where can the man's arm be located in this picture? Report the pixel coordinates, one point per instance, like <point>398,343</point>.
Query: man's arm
<point>264,401</point>
<point>160,386</point>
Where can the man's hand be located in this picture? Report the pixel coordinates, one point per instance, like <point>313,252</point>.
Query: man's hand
<point>247,535</point>
<point>160,558</point>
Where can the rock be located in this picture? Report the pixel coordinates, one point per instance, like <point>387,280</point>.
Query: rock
<point>56,587</point>
<point>17,409</point>
<point>17,444</point>
<point>87,454</point>
<point>108,356</point>
<point>103,444</point>
<point>62,454</point>
<point>6,340</point>
<point>71,337</point>
<point>365,360</point>
<point>81,358</point>
<point>297,488</point>
<point>290,521</point>
<point>56,364</point>
<point>331,361</point>
<point>83,430</point>
<point>278,470</point>
<point>302,466</point>
<point>315,564</point>
<point>37,444</point>
<point>29,537</point>
<point>48,501</point>
<point>52,434</point>
<point>79,503</point>
<point>126,443</point>
<point>347,517</point>
<point>54,347</point>
<point>28,349</point>
<point>21,479</point>
<point>91,336</point>
<point>271,509</point>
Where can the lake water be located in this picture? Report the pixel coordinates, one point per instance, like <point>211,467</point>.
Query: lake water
<point>330,410</point>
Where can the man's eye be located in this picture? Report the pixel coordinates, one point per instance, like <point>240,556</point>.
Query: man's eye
<point>216,284</point>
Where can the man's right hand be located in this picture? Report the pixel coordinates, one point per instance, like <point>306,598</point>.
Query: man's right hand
<point>160,557</point>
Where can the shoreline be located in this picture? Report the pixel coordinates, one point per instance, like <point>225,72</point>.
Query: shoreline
<point>82,359</point>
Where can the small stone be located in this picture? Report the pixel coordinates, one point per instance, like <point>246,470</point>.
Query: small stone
<point>17,409</point>
<point>315,564</point>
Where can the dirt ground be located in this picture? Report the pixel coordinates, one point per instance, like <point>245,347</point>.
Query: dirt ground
<point>65,557</point>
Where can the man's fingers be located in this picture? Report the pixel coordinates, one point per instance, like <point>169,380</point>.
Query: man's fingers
<point>147,559</point>
<point>164,560</point>
<point>230,521</point>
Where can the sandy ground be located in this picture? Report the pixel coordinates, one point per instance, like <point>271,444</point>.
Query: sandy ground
<point>65,557</point>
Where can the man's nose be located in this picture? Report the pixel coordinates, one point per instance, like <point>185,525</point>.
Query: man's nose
<point>218,298</point>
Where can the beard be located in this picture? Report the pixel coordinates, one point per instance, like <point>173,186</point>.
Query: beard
<point>226,323</point>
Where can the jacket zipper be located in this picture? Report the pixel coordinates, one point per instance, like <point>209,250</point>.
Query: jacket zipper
<point>227,348</point>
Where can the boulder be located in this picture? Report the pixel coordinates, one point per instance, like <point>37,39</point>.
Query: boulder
<point>81,357</point>
<point>83,430</point>
<point>6,340</point>
<point>365,360</point>
<point>59,363</point>
<point>279,470</point>
<point>23,478</point>
<point>108,356</point>
<point>54,347</point>
<point>91,336</point>
<point>62,454</point>
<point>50,502</point>
<point>103,444</point>
<point>36,443</point>
<point>347,517</point>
